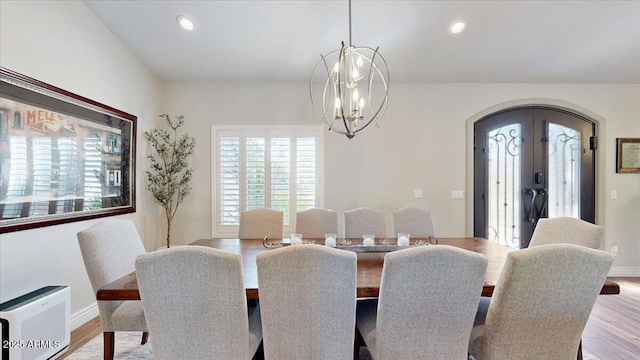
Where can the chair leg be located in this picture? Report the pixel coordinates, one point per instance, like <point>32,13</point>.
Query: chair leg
<point>358,341</point>
<point>580,350</point>
<point>109,342</point>
<point>145,337</point>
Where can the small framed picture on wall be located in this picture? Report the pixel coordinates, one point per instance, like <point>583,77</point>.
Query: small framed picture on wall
<point>628,155</point>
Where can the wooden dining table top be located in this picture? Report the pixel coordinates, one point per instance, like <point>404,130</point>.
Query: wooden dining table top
<point>369,269</point>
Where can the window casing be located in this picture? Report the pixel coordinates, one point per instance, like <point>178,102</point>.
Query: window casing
<point>278,167</point>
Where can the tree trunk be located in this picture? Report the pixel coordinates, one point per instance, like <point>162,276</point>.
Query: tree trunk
<point>168,233</point>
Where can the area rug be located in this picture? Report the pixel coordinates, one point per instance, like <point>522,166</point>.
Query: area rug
<point>128,348</point>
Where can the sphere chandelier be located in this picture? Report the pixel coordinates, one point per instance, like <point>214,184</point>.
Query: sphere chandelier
<point>349,87</point>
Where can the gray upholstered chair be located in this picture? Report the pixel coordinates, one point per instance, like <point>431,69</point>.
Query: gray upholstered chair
<point>109,249</point>
<point>414,221</point>
<point>315,223</point>
<point>363,220</point>
<point>427,303</point>
<point>567,230</point>
<point>196,306</point>
<point>258,223</point>
<point>307,302</point>
<point>541,303</point>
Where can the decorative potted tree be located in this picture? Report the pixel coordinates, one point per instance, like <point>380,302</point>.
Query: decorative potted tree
<point>169,174</point>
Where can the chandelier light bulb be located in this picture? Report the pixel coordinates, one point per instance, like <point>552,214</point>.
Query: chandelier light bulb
<point>354,74</point>
<point>337,109</point>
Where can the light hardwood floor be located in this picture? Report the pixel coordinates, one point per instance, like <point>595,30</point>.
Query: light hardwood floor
<point>612,333</point>
<point>613,330</point>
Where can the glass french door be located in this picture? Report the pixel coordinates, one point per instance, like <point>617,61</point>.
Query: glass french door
<point>531,163</point>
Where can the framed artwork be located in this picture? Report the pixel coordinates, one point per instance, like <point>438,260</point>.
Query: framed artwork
<point>63,157</point>
<point>628,155</point>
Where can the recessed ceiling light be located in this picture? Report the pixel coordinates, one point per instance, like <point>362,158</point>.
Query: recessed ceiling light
<point>184,22</point>
<point>458,26</point>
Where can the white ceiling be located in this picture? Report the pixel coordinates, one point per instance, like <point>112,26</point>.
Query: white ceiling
<point>281,41</point>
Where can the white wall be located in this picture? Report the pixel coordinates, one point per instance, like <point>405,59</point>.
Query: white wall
<point>63,43</point>
<point>423,143</point>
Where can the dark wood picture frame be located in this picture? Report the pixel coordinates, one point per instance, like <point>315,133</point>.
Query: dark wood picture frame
<point>628,155</point>
<point>63,157</point>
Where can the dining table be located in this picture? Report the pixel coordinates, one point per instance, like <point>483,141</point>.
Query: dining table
<point>369,268</point>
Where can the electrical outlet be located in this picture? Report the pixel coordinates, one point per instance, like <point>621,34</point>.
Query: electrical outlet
<point>614,194</point>
<point>457,194</point>
<point>417,194</point>
<point>614,250</point>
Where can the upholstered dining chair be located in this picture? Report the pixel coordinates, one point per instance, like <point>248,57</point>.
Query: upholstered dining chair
<point>541,303</point>
<point>196,306</point>
<point>109,249</point>
<point>567,230</point>
<point>364,220</point>
<point>307,302</point>
<point>427,304</point>
<point>416,222</point>
<point>316,222</point>
<point>258,223</point>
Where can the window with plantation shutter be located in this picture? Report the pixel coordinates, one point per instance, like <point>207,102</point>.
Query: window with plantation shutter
<point>274,167</point>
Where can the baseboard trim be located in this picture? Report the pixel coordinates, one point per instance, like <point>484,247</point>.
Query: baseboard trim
<point>83,316</point>
<point>625,271</point>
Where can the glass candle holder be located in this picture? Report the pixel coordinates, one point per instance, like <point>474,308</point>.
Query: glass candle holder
<point>296,239</point>
<point>368,240</point>
<point>403,239</point>
<point>330,239</point>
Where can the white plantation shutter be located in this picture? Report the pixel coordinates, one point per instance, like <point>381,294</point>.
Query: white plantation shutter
<point>306,173</point>
<point>255,157</point>
<point>281,176</point>
<point>229,180</point>
<point>255,167</point>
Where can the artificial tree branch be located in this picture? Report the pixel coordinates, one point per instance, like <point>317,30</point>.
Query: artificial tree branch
<point>169,175</point>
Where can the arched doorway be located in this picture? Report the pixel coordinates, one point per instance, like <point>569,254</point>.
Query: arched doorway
<point>531,163</point>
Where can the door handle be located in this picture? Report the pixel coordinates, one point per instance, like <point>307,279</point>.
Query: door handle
<point>542,193</point>
<point>531,212</point>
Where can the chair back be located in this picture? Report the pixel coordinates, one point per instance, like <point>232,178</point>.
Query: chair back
<point>258,223</point>
<point>416,222</point>
<point>315,223</point>
<point>307,302</point>
<point>541,303</point>
<point>363,220</point>
<point>428,301</point>
<point>567,230</point>
<point>195,303</point>
<point>109,249</point>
